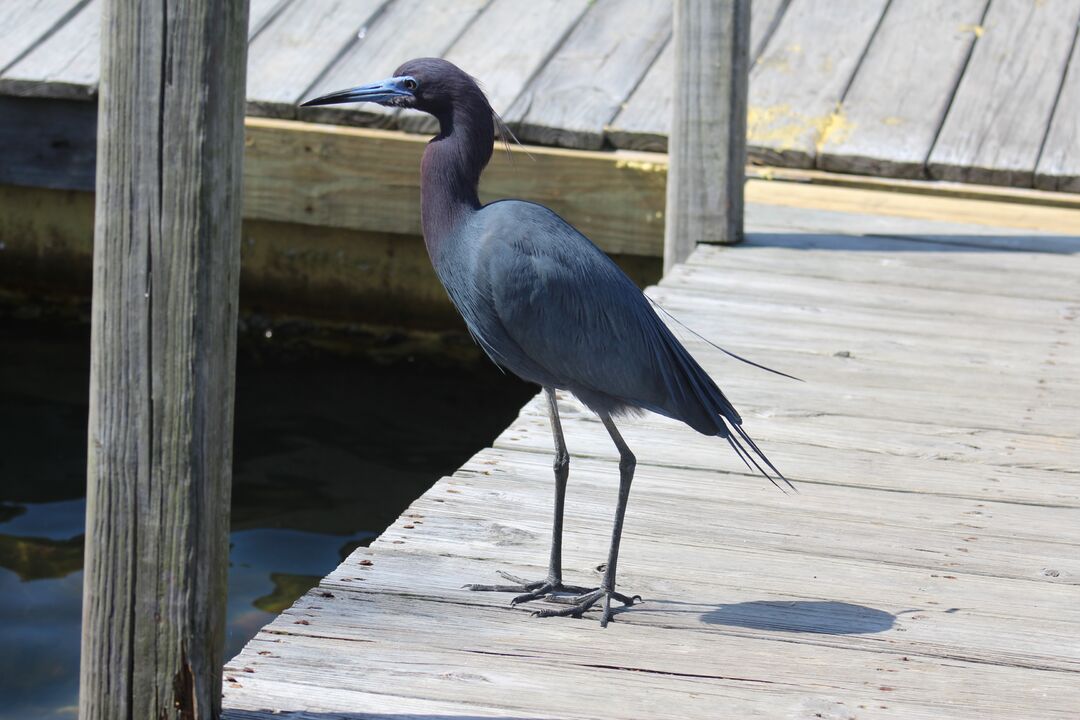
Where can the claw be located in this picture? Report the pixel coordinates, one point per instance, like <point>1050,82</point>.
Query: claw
<point>582,603</point>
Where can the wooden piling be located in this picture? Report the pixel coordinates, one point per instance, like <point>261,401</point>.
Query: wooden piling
<point>166,265</point>
<point>707,143</point>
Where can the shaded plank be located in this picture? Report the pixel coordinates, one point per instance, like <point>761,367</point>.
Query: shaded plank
<point>47,142</point>
<point>66,65</point>
<point>288,56</point>
<point>582,87</point>
<point>798,81</point>
<point>998,118</point>
<point>645,119</point>
<point>898,99</point>
<point>1059,162</point>
<point>24,23</point>
<point>407,29</point>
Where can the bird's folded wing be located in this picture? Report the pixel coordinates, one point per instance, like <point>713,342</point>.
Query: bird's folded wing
<point>573,312</point>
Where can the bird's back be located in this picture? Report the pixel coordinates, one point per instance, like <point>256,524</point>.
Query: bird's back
<point>547,304</point>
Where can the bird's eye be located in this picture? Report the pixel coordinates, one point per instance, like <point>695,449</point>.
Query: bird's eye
<point>409,84</point>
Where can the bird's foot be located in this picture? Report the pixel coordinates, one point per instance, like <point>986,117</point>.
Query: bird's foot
<point>581,603</point>
<point>551,588</point>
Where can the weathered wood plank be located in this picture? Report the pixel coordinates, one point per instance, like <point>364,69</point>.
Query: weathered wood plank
<point>369,179</point>
<point>707,157</point>
<point>515,666</point>
<point>644,121</point>
<point>290,53</point>
<point>889,119</point>
<point>163,346</point>
<point>406,29</point>
<point>798,81</point>
<point>504,48</point>
<point>509,43</point>
<point>261,12</point>
<point>998,118</point>
<point>1059,161</point>
<point>938,494</point>
<point>65,65</point>
<point>581,88</point>
<point>900,262</point>
<point>855,210</point>
<point>24,24</point>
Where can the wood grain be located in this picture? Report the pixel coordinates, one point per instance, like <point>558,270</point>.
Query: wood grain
<point>582,87</point>
<point>65,65</point>
<point>707,159</point>
<point>644,121</point>
<point>290,53</point>
<point>511,41</point>
<point>163,334</point>
<point>890,118</point>
<point>998,118</point>
<point>1059,160</point>
<point>406,29</point>
<point>798,81</point>
<point>934,446</point>
<point>261,12</point>
<point>369,179</point>
<point>24,24</point>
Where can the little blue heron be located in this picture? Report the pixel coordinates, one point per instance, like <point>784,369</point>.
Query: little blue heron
<point>548,305</point>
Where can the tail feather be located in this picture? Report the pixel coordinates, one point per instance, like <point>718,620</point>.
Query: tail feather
<point>707,410</point>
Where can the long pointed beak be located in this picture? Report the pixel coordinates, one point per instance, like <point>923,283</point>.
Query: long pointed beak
<point>377,92</point>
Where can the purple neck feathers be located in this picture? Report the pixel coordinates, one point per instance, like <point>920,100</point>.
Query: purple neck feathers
<point>453,161</point>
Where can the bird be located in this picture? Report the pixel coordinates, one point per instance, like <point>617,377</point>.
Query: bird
<point>546,304</point>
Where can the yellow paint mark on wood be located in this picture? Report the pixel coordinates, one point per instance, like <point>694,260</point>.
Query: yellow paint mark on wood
<point>782,128</point>
<point>835,128</point>
<point>978,30</point>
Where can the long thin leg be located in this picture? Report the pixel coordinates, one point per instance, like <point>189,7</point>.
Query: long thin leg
<point>553,582</point>
<point>627,463</point>
<point>562,472</point>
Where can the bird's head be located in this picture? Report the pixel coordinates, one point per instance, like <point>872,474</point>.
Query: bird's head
<point>431,85</point>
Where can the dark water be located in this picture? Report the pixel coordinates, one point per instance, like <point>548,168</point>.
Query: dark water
<point>330,448</point>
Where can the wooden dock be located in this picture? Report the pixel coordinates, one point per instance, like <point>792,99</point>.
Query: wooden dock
<point>984,91</point>
<point>929,566</point>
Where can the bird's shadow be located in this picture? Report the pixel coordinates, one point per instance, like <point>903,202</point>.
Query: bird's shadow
<point>821,617</point>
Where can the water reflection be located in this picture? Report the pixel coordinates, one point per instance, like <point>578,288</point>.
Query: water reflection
<point>329,450</point>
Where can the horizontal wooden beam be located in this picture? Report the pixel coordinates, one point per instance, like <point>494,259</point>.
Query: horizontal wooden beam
<point>366,179</point>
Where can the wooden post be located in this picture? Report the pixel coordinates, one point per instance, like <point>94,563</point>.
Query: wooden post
<point>707,144</point>
<point>166,265</point>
